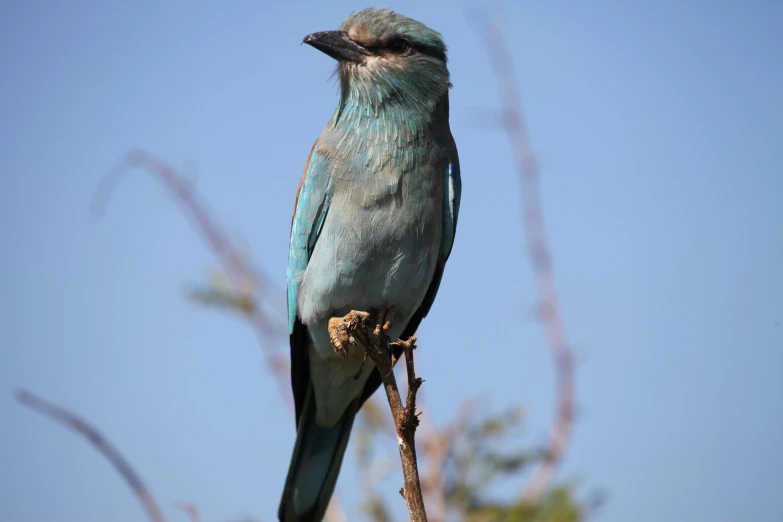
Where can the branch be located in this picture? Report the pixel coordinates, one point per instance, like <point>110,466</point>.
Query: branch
<point>243,278</point>
<point>406,420</point>
<point>269,330</point>
<point>100,443</point>
<point>538,247</point>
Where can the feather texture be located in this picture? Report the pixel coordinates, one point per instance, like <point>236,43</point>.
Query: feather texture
<point>373,226</point>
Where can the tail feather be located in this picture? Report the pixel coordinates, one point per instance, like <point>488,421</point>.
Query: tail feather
<point>315,464</point>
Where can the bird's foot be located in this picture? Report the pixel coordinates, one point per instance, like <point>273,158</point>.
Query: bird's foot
<point>346,331</point>
<point>383,321</point>
<point>343,331</point>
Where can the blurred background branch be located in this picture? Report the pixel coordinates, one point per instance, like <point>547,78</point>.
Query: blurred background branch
<point>248,289</point>
<point>100,443</point>
<point>549,314</point>
<point>238,286</point>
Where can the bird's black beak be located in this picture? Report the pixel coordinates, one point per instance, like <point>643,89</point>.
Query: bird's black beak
<point>337,45</point>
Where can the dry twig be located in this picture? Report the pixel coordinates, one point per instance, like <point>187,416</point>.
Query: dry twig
<point>406,419</point>
<point>245,280</point>
<point>69,420</point>
<point>248,282</point>
<point>538,247</point>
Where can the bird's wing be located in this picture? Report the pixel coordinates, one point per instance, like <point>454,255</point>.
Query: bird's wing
<point>452,193</point>
<point>310,208</point>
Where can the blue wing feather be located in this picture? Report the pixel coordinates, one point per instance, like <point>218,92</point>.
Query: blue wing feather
<point>452,193</point>
<point>312,204</point>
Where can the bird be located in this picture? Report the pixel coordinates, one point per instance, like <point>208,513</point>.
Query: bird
<point>373,226</point>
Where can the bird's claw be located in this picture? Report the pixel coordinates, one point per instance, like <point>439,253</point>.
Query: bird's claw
<point>347,330</point>
<point>338,334</point>
<point>383,321</point>
<point>342,328</point>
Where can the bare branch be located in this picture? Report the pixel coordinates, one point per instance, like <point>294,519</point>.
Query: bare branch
<point>540,254</point>
<point>69,420</point>
<point>268,326</point>
<point>406,419</point>
<point>248,282</point>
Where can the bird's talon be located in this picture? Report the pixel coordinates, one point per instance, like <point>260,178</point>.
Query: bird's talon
<point>383,320</point>
<point>338,334</point>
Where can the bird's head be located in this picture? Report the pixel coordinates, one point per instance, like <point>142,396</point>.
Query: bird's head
<point>385,57</point>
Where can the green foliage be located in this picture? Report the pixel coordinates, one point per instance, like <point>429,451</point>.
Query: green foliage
<point>558,505</point>
<point>484,454</point>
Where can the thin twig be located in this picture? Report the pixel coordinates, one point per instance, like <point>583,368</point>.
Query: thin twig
<point>540,253</point>
<point>406,419</point>
<point>268,328</point>
<point>80,426</point>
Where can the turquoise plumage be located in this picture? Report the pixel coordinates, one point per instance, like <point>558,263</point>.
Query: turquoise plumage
<point>373,226</point>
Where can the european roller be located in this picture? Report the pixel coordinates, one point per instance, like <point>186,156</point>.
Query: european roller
<point>373,226</point>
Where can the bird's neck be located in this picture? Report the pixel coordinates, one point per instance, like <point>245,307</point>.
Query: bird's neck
<point>387,113</point>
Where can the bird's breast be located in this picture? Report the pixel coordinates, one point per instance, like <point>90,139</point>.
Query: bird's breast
<point>377,247</point>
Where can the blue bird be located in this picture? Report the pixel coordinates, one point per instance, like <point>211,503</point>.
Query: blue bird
<point>373,226</point>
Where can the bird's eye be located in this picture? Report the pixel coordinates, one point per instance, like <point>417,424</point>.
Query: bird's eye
<point>400,46</point>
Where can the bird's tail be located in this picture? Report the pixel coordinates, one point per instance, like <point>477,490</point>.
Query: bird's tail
<point>315,464</point>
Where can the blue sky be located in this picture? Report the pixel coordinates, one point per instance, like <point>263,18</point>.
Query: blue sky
<point>659,130</point>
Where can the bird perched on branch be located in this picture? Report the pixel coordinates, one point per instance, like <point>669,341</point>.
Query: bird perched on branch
<point>373,226</point>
